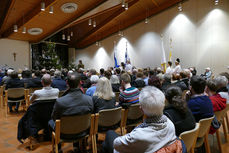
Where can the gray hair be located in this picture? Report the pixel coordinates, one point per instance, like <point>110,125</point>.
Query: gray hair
<point>152,101</point>
<point>114,79</point>
<point>94,79</point>
<point>167,77</point>
<point>57,73</point>
<point>221,81</point>
<point>104,89</point>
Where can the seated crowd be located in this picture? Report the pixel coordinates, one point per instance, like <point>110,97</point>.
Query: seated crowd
<point>167,111</point>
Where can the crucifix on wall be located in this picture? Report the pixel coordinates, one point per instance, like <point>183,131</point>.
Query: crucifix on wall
<point>14,54</point>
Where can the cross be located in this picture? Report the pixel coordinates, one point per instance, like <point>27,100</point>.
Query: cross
<point>14,54</point>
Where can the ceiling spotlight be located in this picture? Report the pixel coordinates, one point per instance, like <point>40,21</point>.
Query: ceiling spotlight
<point>71,34</point>
<point>24,30</point>
<point>94,23</point>
<point>63,36</point>
<point>180,9</point>
<point>51,9</point>
<point>146,20</point>
<point>123,3</point>
<point>89,22</point>
<point>42,6</point>
<point>216,2</point>
<point>126,6</point>
<point>15,28</point>
<point>120,33</point>
<point>68,38</point>
<point>97,43</point>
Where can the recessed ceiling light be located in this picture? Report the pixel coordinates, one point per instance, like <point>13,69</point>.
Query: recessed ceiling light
<point>69,7</point>
<point>35,31</point>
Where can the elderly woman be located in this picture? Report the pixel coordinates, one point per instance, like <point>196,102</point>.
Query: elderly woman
<point>177,110</point>
<point>221,84</point>
<point>156,132</point>
<point>103,98</point>
<point>90,91</point>
<point>115,83</point>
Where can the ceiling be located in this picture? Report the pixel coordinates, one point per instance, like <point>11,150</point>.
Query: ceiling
<point>109,15</point>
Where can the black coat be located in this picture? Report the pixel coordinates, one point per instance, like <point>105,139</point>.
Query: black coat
<point>73,102</point>
<point>139,83</point>
<point>115,87</point>
<point>100,104</point>
<point>35,119</point>
<point>182,122</point>
<point>15,83</point>
<point>34,83</point>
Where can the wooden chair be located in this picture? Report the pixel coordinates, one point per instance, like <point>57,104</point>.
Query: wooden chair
<point>220,115</point>
<point>203,133</point>
<point>1,96</point>
<point>190,137</point>
<point>132,116</point>
<point>109,119</point>
<point>227,121</point>
<point>74,125</point>
<point>117,96</point>
<point>14,93</point>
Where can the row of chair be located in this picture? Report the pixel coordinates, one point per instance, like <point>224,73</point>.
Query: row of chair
<point>199,135</point>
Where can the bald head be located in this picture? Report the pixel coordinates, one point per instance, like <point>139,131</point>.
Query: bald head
<point>46,80</point>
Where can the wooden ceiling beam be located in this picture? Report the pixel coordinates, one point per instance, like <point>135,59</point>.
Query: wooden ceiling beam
<point>69,22</point>
<point>155,3</point>
<point>31,14</point>
<point>106,33</point>
<point>104,22</point>
<point>7,5</point>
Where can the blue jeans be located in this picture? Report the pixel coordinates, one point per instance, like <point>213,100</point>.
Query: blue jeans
<point>10,104</point>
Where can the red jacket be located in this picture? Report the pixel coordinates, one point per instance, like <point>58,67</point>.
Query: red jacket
<point>218,102</point>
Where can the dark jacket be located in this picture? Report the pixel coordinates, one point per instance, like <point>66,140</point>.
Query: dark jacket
<point>182,85</point>
<point>35,119</point>
<point>100,104</point>
<point>201,107</point>
<point>115,87</point>
<point>74,102</point>
<point>59,83</point>
<point>165,85</point>
<point>34,83</point>
<point>14,83</point>
<point>182,122</point>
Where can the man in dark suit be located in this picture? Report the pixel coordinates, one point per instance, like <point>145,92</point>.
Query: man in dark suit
<point>74,102</point>
<point>57,82</point>
<point>14,82</point>
<point>35,82</point>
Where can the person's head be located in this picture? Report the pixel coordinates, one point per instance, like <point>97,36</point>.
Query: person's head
<point>183,74</point>
<point>57,74</point>
<point>197,84</point>
<point>37,73</point>
<point>104,89</point>
<point>152,101</point>
<point>207,69</point>
<point>145,74</point>
<point>9,71</point>
<point>139,75</point>
<point>158,70</point>
<point>43,71</point>
<point>107,74</point>
<point>73,80</point>
<point>221,82</point>
<point>154,81</point>
<point>114,79</point>
<point>135,71</point>
<point>211,86</point>
<point>46,80</point>
<point>123,64</point>
<point>225,74</point>
<point>27,74</point>
<point>169,63</point>
<point>125,78</point>
<point>174,97</point>
<point>80,61</point>
<point>117,71</point>
<point>14,75</point>
<point>177,62</point>
<point>92,72</point>
<point>101,71</point>
<point>94,79</point>
<point>167,77</point>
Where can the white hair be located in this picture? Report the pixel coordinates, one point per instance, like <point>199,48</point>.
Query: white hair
<point>104,89</point>
<point>94,79</point>
<point>152,101</point>
<point>221,81</point>
<point>114,79</point>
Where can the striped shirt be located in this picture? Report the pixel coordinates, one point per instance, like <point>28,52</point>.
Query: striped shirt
<point>130,95</point>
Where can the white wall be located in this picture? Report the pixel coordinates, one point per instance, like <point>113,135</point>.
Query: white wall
<point>21,48</point>
<point>200,38</point>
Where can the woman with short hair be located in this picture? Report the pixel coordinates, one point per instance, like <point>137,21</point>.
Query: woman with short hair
<point>103,98</point>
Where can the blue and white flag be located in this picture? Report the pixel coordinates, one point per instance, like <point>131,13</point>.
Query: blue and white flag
<point>115,59</point>
<point>126,55</point>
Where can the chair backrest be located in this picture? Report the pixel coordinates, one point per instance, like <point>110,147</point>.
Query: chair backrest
<point>75,124</point>
<point>220,114</point>
<point>117,96</point>
<point>61,93</point>
<point>15,92</point>
<point>204,126</point>
<point>134,112</point>
<point>227,108</point>
<point>109,117</point>
<point>189,137</point>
